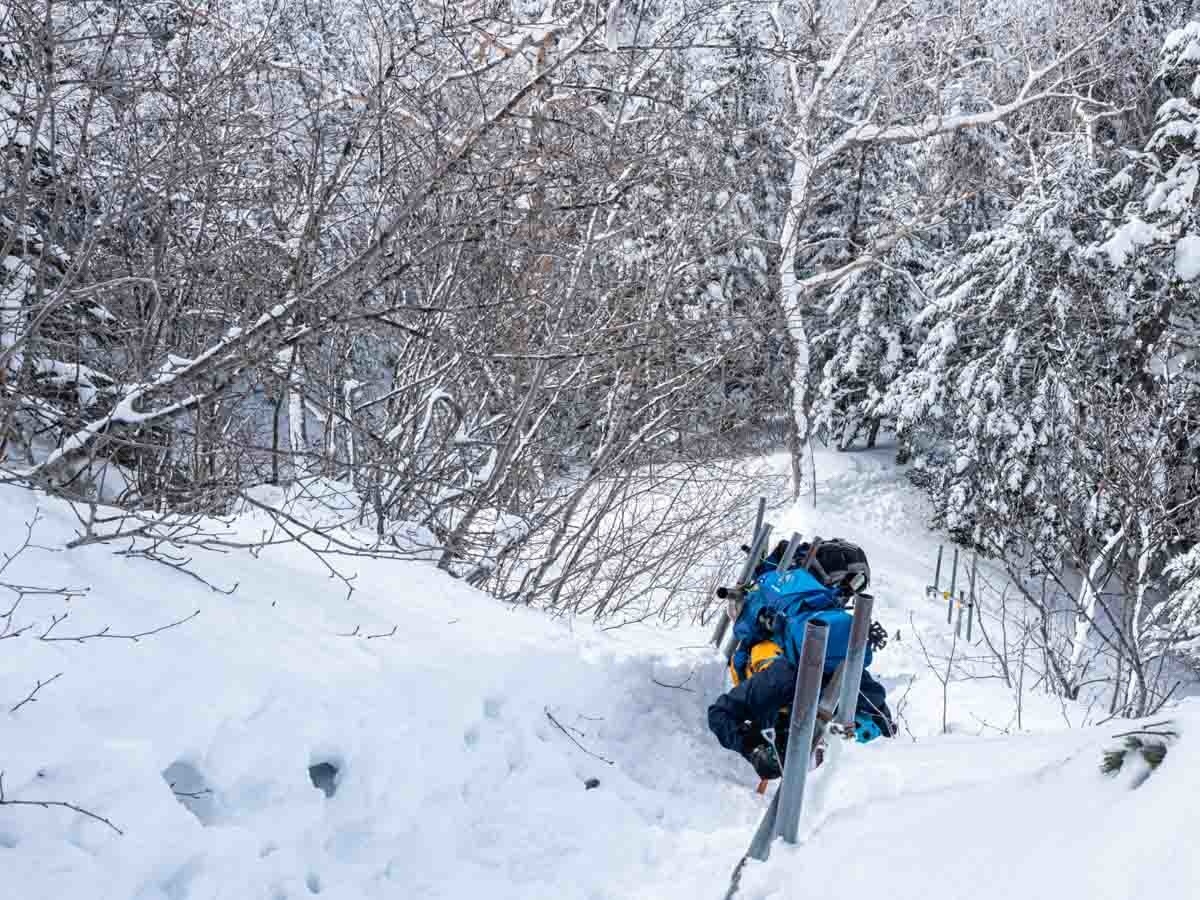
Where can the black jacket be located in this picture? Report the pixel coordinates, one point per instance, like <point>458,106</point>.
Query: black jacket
<point>738,717</point>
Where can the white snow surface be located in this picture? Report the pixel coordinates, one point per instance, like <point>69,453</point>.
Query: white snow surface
<point>453,782</point>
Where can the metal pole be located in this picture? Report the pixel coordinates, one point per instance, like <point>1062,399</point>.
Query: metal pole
<point>800,733</point>
<point>760,544</point>
<point>718,634</point>
<point>937,573</point>
<point>812,552</point>
<point>958,622</point>
<point>754,557</point>
<point>950,593</point>
<point>758,518</point>
<point>760,846</point>
<point>752,560</point>
<point>971,595</point>
<point>860,630</point>
<point>789,554</point>
<point>729,648</point>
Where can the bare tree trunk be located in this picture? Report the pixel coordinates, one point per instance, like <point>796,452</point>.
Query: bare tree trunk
<point>1094,582</point>
<point>791,301</point>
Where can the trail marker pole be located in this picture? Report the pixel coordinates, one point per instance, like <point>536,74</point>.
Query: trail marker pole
<point>971,595</point>
<point>950,593</point>
<point>958,622</point>
<point>932,590</point>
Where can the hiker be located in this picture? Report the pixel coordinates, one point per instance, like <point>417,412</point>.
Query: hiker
<point>770,632</point>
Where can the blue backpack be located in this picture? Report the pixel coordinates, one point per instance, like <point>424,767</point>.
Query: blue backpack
<point>779,607</point>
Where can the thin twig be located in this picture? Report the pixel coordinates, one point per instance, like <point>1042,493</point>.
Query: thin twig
<point>1148,730</point>
<point>47,804</point>
<point>9,631</point>
<point>682,686</point>
<point>560,727</point>
<point>179,564</point>
<point>190,795</point>
<point>105,632</point>
<point>32,698</point>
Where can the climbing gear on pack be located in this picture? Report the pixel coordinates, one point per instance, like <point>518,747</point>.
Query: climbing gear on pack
<point>877,637</point>
<point>836,563</point>
<point>734,597</point>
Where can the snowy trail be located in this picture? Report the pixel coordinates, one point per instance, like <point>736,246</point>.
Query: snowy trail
<point>453,780</point>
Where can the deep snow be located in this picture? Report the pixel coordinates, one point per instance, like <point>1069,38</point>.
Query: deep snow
<point>454,782</point>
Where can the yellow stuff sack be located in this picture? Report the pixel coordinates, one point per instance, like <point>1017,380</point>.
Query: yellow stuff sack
<point>762,655</point>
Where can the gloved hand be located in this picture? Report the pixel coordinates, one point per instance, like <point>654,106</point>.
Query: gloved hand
<point>765,761</point>
<point>877,637</point>
<point>866,729</point>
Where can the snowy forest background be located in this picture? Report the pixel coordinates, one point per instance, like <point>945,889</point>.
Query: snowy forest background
<point>529,282</point>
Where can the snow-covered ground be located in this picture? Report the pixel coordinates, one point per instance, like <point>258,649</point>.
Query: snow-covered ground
<point>464,743</point>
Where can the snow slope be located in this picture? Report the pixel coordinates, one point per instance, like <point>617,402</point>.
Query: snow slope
<point>455,782</point>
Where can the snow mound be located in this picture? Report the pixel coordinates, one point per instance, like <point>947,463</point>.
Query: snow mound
<point>998,818</point>
<point>285,742</point>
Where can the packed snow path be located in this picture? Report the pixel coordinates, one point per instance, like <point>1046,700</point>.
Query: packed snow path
<point>464,742</point>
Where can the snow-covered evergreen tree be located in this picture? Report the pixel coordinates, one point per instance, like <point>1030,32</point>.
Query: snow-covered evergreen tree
<point>863,340</point>
<point>992,391</point>
<point>1176,625</point>
<point>1155,238</point>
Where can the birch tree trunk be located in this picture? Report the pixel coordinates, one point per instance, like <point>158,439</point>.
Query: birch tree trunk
<point>1089,599</point>
<point>791,301</point>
